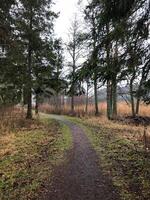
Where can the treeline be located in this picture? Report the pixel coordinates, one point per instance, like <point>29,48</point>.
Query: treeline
<point>115,44</point>
<point>117,39</point>
<point>30,56</point>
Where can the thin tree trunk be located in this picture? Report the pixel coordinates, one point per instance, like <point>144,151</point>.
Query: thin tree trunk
<point>63,101</point>
<point>132,98</point>
<point>87,98</point>
<point>96,96</point>
<point>58,103</point>
<point>138,105</point>
<point>29,84</point>
<point>37,105</point>
<point>73,86</point>
<point>109,83</point>
<point>114,99</point>
<point>114,85</point>
<point>109,100</point>
<point>29,89</point>
<point>72,104</point>
<point>145,72</point>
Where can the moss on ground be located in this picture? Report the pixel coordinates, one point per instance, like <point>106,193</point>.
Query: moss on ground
<point>28,157</point>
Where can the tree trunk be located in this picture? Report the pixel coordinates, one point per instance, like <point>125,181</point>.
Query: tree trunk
<point>63,101</point>
<point>114,84</point>
<point>29,79</point>
<point>73,85</point>
<point>109,82</point>
<point>96,96</point>
<point>138,105</point>
<point>72,104</point>
<point>29,88</point>
<point>114,99</point>
<point>87,98</point>
<point>37,105</point>
<point>132,98</point>
<point>109,100</point>
<point>56,103</point>
<point>145,73</point>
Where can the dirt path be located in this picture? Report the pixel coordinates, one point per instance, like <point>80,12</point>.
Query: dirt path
<point>81,178</point>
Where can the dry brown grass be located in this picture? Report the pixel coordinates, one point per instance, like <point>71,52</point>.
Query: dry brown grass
<point>123,109</point>
<point>122,154</point>
<point>29,150</point>
<point>122,129</point>
<point>128,131</point>
<point>7,144</point>
<point>10,118</point>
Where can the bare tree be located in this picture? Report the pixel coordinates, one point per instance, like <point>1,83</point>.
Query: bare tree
<point>74,48</point>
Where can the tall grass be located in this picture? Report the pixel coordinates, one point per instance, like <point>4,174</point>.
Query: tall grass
<point>123,109</point>
<point>11,117</point>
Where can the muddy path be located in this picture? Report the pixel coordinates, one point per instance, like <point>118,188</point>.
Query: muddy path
<point>81,178</point>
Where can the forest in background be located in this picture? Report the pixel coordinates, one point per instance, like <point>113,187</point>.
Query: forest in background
<point>114,44</point>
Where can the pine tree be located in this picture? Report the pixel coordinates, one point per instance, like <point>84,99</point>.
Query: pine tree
<point>35,21</point>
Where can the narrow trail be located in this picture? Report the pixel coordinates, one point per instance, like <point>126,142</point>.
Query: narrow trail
<point>81,178</point>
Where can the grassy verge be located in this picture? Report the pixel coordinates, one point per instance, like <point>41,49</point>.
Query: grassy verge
<point>28,156</point>
<point>121,155</point>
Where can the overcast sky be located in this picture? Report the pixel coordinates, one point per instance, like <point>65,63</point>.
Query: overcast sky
<point>67,9</point>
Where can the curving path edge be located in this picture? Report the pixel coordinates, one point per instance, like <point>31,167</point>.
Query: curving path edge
<point>81,178</point>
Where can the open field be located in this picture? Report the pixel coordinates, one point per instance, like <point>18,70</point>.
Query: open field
<point>29,151</point>
<point>123,109</point>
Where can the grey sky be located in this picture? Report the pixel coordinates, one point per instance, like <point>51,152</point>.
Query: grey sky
<point>67,9</point>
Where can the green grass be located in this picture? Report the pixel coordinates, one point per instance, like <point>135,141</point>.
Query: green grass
<point>122,159</point>
<point>28,157</point>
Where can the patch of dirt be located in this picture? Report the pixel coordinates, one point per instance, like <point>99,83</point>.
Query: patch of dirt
<point>137,120</point>
<point>81,178</point>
